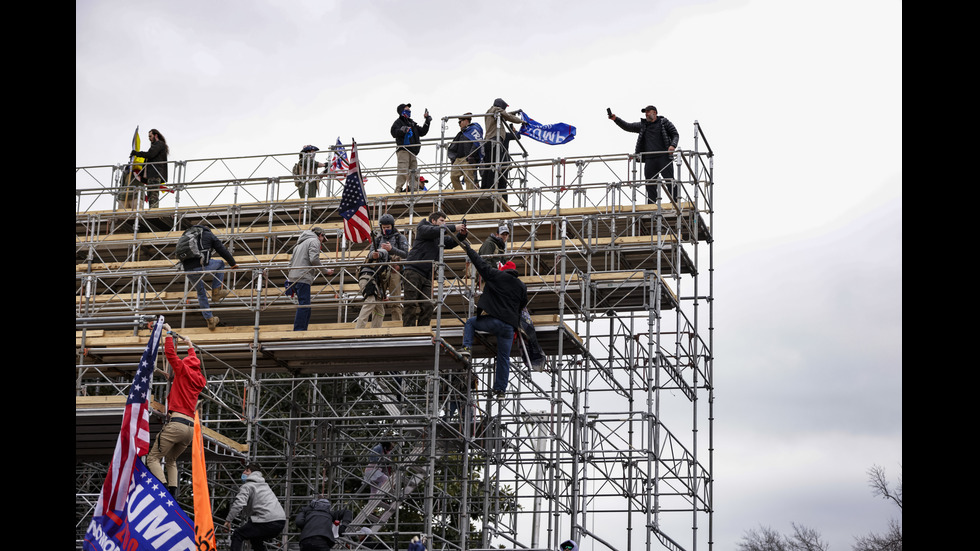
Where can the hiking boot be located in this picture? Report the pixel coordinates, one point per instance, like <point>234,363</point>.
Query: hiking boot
<point>219,293</point>
<point>497,394</point>
<point>466,353</point>
<point>213,322</point>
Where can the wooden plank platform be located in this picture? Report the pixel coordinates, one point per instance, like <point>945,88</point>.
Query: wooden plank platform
<point>324,348</point>
<point>98,420</point>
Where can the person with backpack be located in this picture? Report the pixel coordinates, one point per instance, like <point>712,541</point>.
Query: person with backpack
<point>194,250</point>
<point>395,242</point>
<point>373,281</point>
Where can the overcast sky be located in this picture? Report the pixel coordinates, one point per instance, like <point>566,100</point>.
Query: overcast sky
<point>801,102</point>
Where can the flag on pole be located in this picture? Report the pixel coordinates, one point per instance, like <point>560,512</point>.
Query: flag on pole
<point>136,162</point>
<point>134,436</point>
<point>203,520</point>
<point>338,162</point>
<point>134,511</point>
<point>353,203</point>
<point>551,134</point>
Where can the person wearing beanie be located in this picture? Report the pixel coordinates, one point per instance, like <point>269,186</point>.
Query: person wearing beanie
<point>496,157</point>
<point>178,433</point>
<point>498,312</point>
<point>408,134</point>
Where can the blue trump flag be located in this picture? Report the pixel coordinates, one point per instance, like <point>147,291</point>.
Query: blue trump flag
<point>151,520</point>
<point>474,132</point>
<point>551,134</point>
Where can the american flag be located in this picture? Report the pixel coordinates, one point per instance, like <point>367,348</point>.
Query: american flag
<point>338,163</point>
<point>134,436</point>
<point>353,204</point>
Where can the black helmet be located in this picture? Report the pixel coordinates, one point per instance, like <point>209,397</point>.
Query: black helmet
<point>387,219</point>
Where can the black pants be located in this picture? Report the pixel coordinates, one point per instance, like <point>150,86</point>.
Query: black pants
<point>495,176</point>
<point>417,288</point>
<point>256,533</point>
<point>315,543</point>
<point>658,166</point>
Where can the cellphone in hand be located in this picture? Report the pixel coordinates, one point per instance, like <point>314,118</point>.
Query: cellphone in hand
<point>608,112</point>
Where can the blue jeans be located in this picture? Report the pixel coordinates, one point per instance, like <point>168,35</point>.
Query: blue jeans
<point>197,281</point>
<point>302,320</point>
<point>505,340</point>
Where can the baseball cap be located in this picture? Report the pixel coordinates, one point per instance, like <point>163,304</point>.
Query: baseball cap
<point>402,106</point>
<point>503,229</point>
<point>647,108</point>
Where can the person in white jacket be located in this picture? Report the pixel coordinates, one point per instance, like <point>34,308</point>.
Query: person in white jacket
<point>265,516</point>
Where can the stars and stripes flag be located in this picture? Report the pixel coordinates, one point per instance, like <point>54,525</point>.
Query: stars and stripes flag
<point>134,435</point>
<point>338,163</point>
<point>353,203</point>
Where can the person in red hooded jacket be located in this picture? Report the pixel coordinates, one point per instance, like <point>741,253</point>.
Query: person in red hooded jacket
<point>178,433</point>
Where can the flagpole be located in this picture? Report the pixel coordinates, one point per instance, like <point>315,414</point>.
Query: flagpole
<point>361,178</point>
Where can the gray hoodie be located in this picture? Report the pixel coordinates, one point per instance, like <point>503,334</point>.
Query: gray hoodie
<point>305,255</point>
<point>256,499</point>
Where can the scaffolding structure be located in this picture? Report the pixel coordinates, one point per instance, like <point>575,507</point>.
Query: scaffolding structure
<point>609,444</point>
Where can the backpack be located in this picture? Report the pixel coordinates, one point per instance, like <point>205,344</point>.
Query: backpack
<point>189,244</point>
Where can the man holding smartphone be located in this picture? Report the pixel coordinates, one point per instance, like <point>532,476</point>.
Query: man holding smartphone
<point>655,144</point>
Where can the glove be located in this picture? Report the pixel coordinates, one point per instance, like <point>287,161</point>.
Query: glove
<point>133,153</point>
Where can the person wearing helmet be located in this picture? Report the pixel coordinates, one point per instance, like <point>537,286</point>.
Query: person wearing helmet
<point>396,244</point>
<point>305,172</point>
<point>188,382</point>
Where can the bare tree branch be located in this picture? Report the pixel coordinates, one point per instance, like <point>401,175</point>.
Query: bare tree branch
<point>879,485</point>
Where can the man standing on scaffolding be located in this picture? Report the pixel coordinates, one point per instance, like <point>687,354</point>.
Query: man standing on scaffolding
<point>496,158</point>
<point>656,142</point>
<point>418,273</point>
<point>408,134</point>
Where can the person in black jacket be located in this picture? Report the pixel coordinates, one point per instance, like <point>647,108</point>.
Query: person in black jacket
<point>417,276</point>
<point>209,242</point>
<point>154,173</point>
<point>407,134</point>
<point>321,525</point>
<point>498,312</point>
<point>656,142</point>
